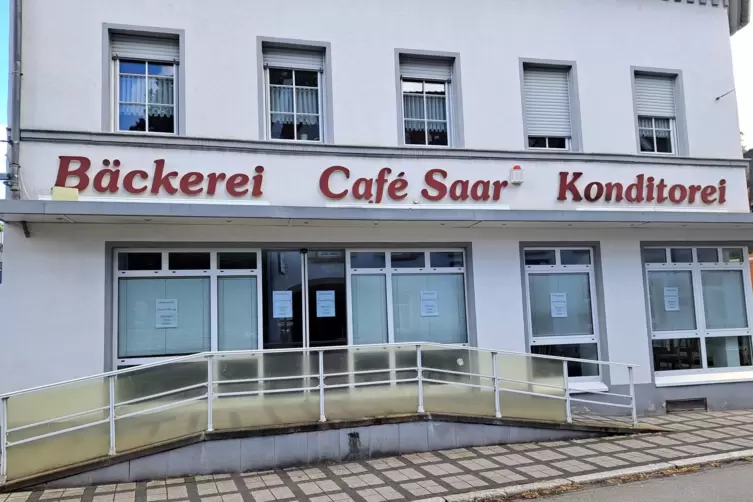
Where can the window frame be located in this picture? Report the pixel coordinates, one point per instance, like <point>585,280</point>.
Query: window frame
<point>448,111</point>
<point>558,268</point>
<point>268,105</point>
<point>116,94</point>
<point>672,135</point>
<point>575,141</point>
<point>110,80</point>
<point>679,125</point>
<point>213,273</point>
<point>547,148</point>
<point>701,332</point>
<point>388,272</point>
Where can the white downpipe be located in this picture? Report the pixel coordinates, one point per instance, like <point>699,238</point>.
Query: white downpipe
<point>632,396</point>
<point>322,417</point>
<point>568,411</point>
<point>497,410</point>
<point>210,393</point>
<point>3,439</point>
<point>111,411</point>
<point>419,368</point>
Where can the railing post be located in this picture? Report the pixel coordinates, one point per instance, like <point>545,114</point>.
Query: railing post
<point>3,440</point>
<point>322,416</point>
<point>420,370</point>
<point>568,411</point>
<point>497,410</point>
<point>210,393</point>
<point>111,408</point>
<point>632,395</point>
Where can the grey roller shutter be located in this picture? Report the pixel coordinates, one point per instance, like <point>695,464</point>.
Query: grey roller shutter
<point>125,46</point>
<point>294,59</point>
<point>655,96</point>
<point>426,68</point>
<point>547,102</point>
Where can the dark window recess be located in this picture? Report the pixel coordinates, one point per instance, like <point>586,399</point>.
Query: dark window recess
<point>236,261</point>
<point>574,351</point>
<point>365,259</point>
<point>681,255</point>
<point>540,257</point>
<point>655,255</point>
<point>677,354</point>
<point>680,405</point>
<point>139,261</point>
<point>446,259</point>
<point>188,261</point>
<point>408,260</point>
<point>707,255</point>
<point>575,257</point>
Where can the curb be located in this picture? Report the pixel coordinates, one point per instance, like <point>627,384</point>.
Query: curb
<point>476,496</point>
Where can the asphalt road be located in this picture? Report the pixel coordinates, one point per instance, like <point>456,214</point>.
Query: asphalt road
<point>725,484</point>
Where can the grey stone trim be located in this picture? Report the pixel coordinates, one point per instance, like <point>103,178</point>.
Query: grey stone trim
<point>226,145</point>
<point>328,126</point>
<point>457,136</point>
<point>576,141</point>
<point>66,212</point>
<point>107,73</point>
<point>681,121</point>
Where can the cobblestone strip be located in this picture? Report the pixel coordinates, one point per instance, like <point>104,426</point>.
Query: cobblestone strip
<point>446,474</point>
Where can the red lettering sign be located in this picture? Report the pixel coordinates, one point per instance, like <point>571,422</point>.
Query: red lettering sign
<point>74,172</point>
<point>644,189</point>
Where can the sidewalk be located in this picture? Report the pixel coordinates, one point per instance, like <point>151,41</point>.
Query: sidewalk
<point>439,474</point>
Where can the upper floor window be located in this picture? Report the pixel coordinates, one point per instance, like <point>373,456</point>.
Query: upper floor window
<point>426,96</point>
<point>655,106</point>
<point>546,105</point>
<point>144,83</point>
<point>294,93</point>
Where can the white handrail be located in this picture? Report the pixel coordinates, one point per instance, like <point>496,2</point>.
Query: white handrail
<point>224,354</point>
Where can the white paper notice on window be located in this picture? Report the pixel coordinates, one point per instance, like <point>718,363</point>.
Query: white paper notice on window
<point>167,314</point>
<point>282,304</point>
<point>558,304</point>
<point>325,304</point>
<point>429,304</point>
<point>672,299</point>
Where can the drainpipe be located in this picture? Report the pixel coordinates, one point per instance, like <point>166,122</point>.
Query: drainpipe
<point>14,101</point>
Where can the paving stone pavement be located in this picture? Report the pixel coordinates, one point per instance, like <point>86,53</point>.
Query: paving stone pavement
<point>436,474</point>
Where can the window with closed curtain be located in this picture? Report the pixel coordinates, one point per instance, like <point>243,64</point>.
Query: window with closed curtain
<point>145,87</point>
<point>425,83</point>
<point>546,102</point>
<point>655,106</point>
<point>294,98</point>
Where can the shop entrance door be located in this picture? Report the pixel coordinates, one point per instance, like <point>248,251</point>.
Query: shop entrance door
<point>304,298</point>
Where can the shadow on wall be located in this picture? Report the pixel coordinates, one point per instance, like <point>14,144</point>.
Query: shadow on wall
<point>749,156</point>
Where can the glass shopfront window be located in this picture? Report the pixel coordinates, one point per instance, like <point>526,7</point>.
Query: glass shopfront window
<point>699,301</point>
<point>176,302</point>
<point>560,290</point>
<point>397,298</point>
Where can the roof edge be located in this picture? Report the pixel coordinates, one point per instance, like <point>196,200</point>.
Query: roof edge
<point>739,15</point>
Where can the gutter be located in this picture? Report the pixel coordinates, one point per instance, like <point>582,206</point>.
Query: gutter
<point>14,101</point>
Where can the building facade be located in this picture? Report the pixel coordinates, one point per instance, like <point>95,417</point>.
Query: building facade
<point>549,176</point>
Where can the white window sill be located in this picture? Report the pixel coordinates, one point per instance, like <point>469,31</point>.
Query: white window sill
<point>703,378</point>
<point>586,387</point>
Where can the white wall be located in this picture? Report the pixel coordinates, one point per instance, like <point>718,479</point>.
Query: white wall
<point>53,309</point>
<point>62,68</point>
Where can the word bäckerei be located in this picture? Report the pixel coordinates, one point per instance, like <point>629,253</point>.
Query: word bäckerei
<point>644,189</point>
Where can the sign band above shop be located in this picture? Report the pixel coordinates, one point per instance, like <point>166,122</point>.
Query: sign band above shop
<point>337,183</point>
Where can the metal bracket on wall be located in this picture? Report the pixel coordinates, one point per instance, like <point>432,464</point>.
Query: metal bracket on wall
<point>25,228</point>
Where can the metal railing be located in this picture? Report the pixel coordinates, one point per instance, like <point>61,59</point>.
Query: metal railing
<point>68,423</point>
